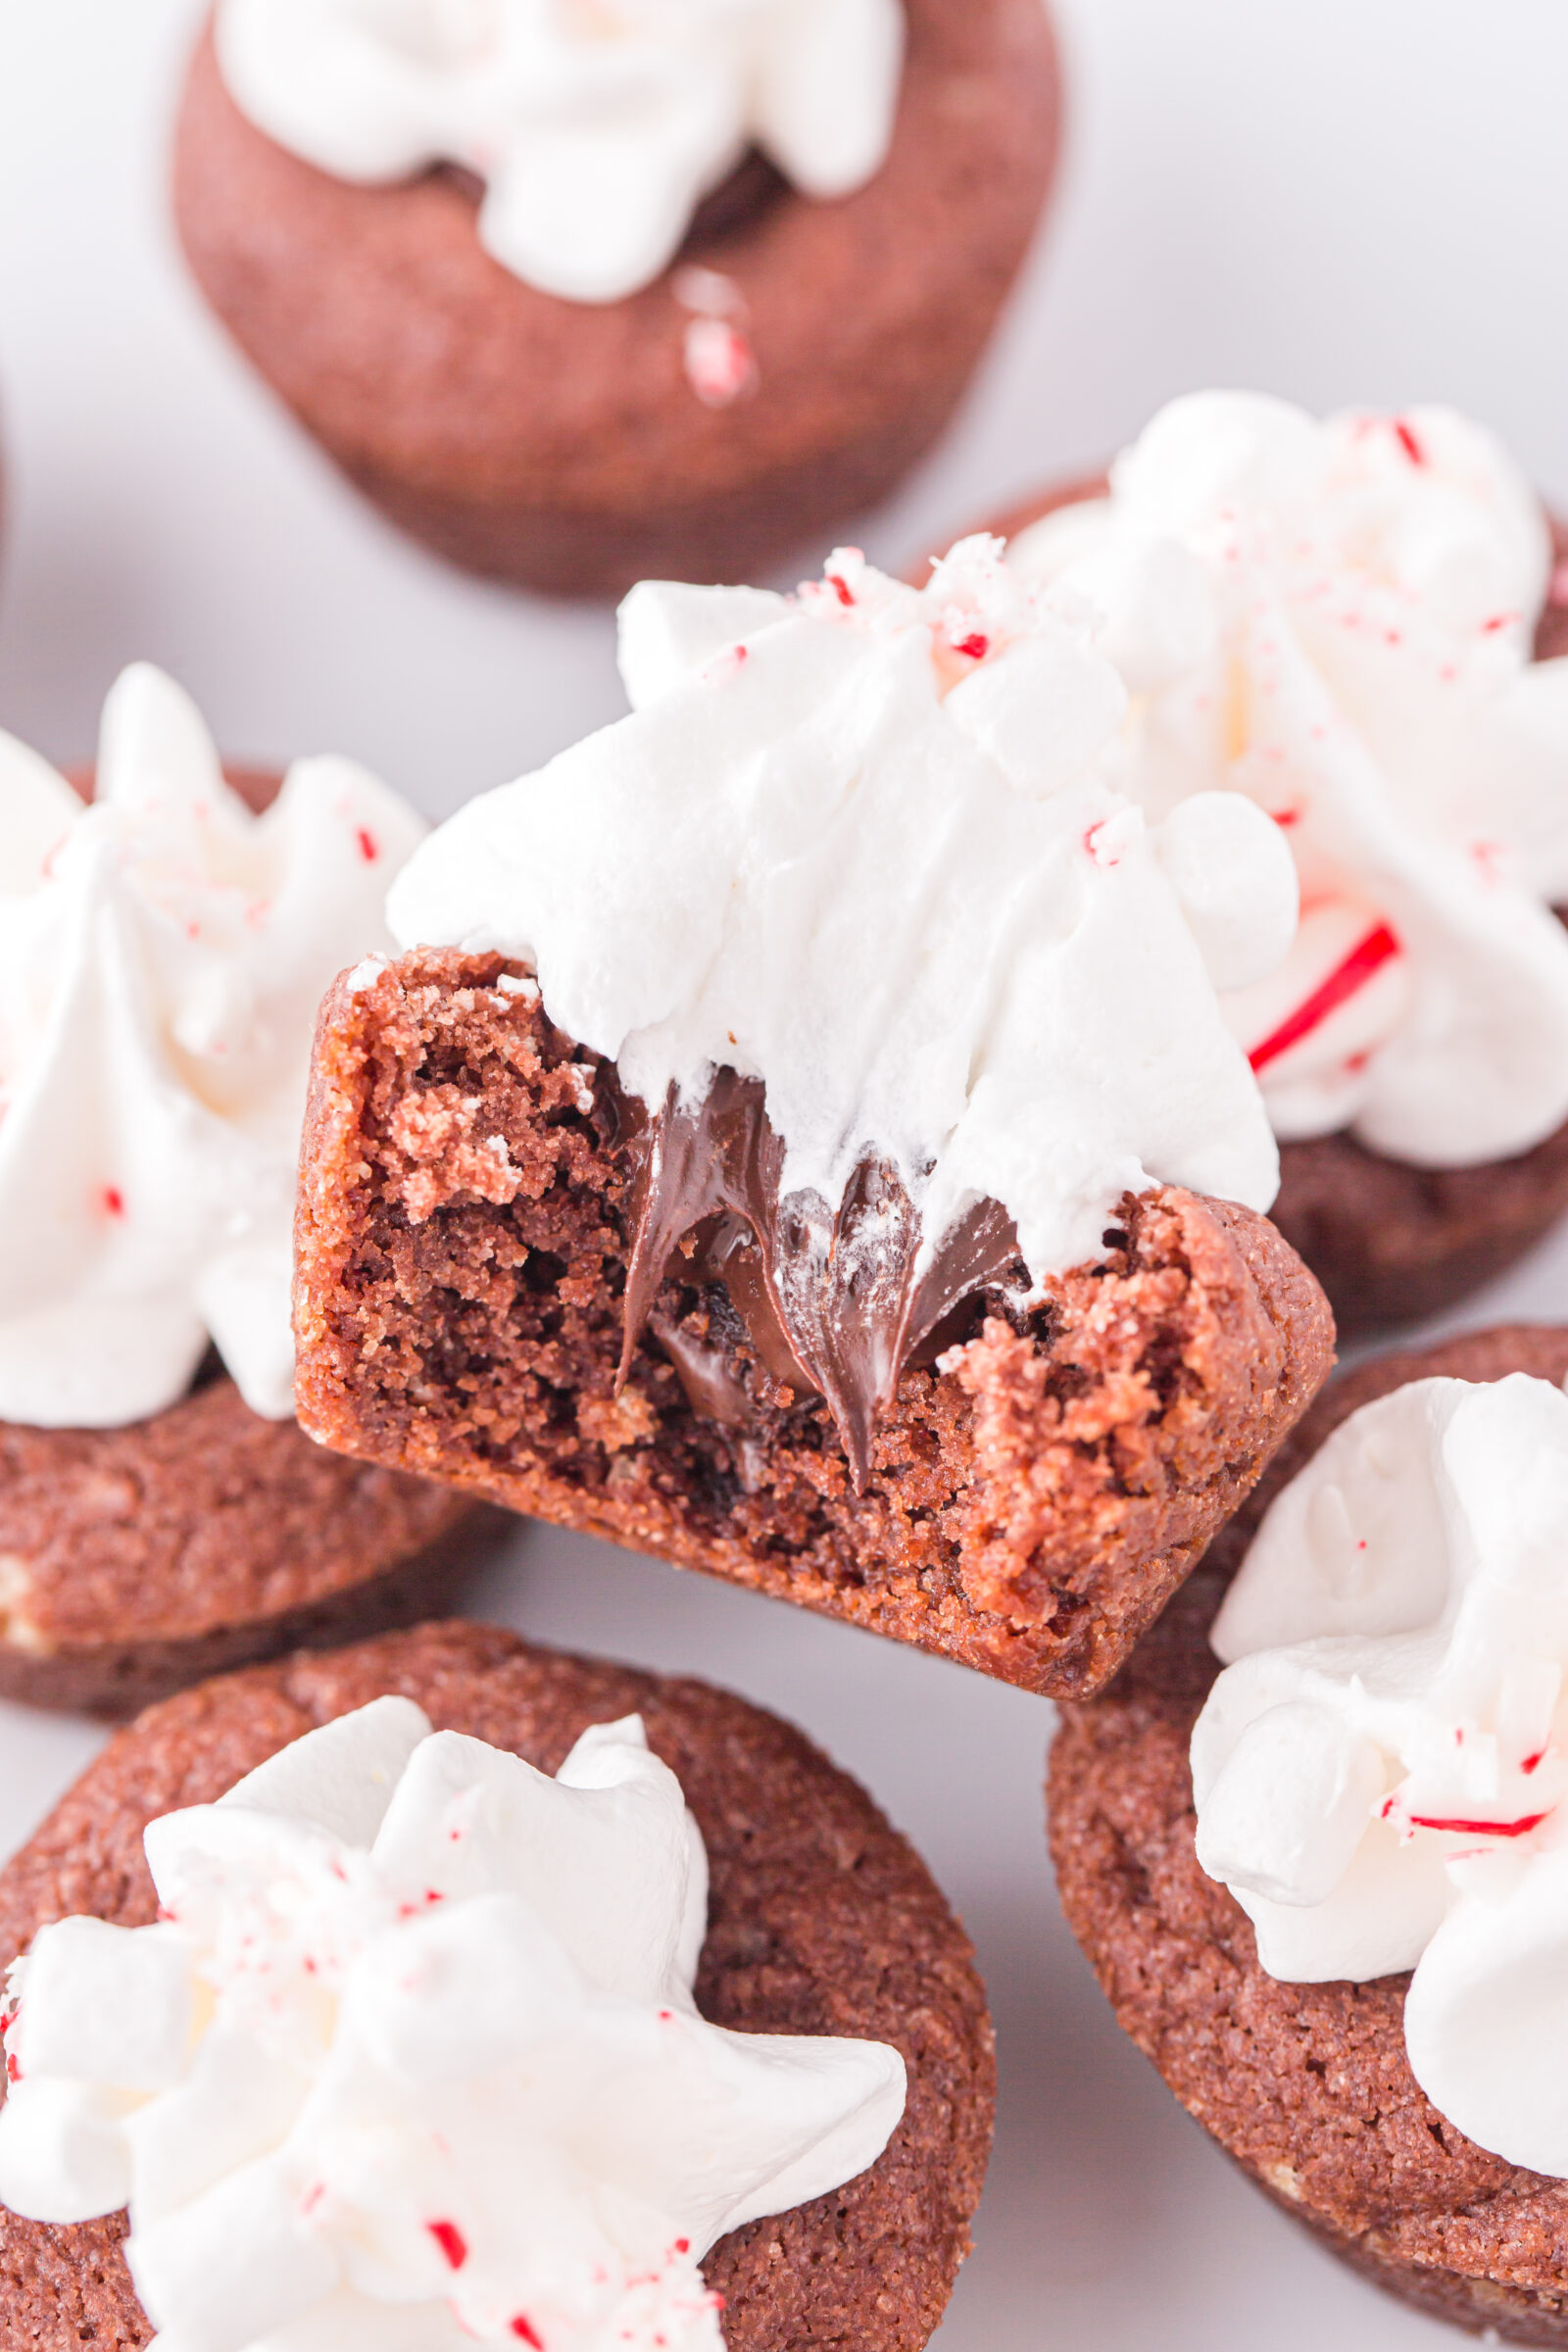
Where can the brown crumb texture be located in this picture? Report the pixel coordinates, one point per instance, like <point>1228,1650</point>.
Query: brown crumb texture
<point>461,1255</point>
<point>822,1920</point>
<point>133,1560</point>
<point>1307,2087</point>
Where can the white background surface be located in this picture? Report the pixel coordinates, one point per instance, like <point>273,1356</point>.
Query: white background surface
<point>1340,200</point>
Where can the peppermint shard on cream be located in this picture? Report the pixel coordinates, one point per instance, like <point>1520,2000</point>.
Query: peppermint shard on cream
<point>801,1136</point>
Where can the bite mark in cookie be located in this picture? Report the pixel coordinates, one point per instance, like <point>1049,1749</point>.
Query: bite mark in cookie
<point>1027,1511</point>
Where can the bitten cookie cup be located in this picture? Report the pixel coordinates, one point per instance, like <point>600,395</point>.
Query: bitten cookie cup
<point>1389,1239</point>
<point>822,1921</point>
<point>1307,2085</point>
<point>462,1252</point>
<point>785,373</point>
<point>141,1553</point>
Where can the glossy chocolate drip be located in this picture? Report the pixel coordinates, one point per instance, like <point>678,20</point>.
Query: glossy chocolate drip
<point>830,1299</point>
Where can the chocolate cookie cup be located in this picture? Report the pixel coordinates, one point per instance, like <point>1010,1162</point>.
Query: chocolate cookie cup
<point>136,1558</point>
<point>561,445</point>
<point>1392,1241</point>
<point>1028,1515</point>
<point>1307,2087</point>
<point>822,1919</point>
<point>139,1559</point>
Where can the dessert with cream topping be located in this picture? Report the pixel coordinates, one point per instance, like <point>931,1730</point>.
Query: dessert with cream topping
<point>379,1999</point>
<point>579,290</point>
<point>803,1138</point>
<point>1357,624</point>
<point>163,950</point>
<point>1324,1889</point>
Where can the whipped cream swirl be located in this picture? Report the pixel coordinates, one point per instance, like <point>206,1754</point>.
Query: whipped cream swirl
<point>1335,619</point>
<point>597,126</point>
<point>412,2061</point>
<point>1380,1771</point>
<point>864,844</point>
<point>162,955</point>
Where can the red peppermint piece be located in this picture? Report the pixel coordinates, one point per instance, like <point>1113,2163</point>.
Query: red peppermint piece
<point>1481,1828</point>
<point>451,2240</point>
<point>1367,957</point>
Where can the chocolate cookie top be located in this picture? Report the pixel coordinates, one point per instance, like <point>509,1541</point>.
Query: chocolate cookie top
<point>822,1919</point>
<point>1309,2085</point>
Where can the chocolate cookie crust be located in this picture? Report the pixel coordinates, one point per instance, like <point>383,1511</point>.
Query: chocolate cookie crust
<point>822,1919</point>
<point>133,1560</point>
<point>559,445</point>
<point>1306,2086</point>
<point>1390,1241</point>
<point>461,1255</point>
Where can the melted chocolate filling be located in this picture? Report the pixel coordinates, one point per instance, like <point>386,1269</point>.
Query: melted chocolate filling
<point>829,1299</point>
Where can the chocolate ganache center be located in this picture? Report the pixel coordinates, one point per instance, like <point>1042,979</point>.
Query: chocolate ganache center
<point>834,1300</point>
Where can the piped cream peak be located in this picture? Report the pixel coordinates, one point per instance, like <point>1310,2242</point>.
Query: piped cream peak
<point>867,850</point>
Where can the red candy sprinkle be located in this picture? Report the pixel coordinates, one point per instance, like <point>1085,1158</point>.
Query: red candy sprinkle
<point>841,588</point>
<point>113,1201</point>
<point>1408,442</point>
<point>13,2071</point>
<point>975,646</point>
<point>720,364</point>
<point>524,2328</point>
<point>1530,1763</point>
<point>1498,620</point>
<point>1365,957</point>
<point>683,2245</point>
<point>451,2240</point>
<point>367,849</point>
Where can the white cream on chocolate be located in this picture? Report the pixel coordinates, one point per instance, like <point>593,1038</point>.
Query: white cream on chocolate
<point>1335,619</point>
<point>411,2060</point>
<point>1380,1771</point>
<point>867,845</point>
<point>162,955</point>
<point>597,126</point>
